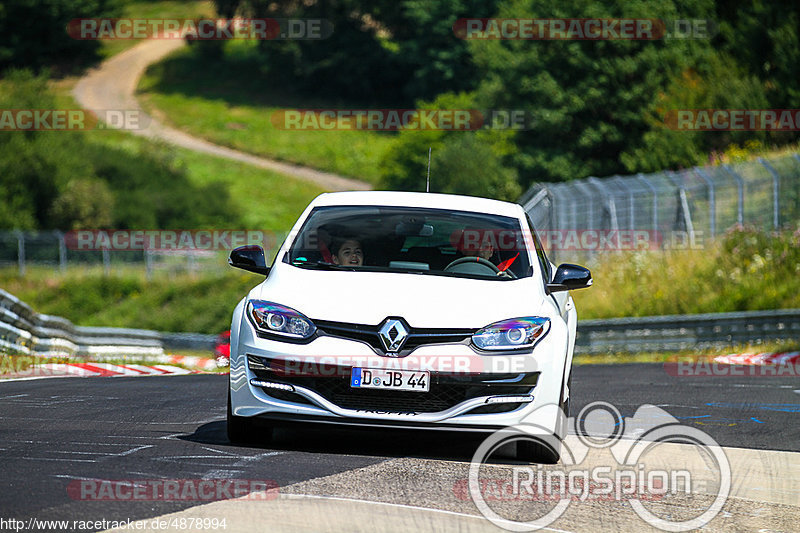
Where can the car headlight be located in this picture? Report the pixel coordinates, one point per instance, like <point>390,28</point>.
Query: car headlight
<point>268,317</point>
<point>512,334</point>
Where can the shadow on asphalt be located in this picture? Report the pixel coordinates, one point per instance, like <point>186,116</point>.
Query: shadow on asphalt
<point>371,442</point>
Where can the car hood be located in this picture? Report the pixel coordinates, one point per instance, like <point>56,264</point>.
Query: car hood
<point>424,301</point>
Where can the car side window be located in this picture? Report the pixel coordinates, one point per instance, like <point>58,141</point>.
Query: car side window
<point>544,263</point>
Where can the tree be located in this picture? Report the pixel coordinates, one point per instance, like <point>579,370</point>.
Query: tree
<point>589,97</point>
<point>764,37</point>
<point>462,162</point>
<point>384,52</point>
<point>33,33</point>
<point>717,83</point>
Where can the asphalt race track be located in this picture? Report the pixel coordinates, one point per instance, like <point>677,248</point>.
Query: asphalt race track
<point>58,431</point>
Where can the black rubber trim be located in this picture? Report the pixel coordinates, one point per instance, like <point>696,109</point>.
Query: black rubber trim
<point>289,419</point>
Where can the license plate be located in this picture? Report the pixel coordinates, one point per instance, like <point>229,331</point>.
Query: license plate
<point>374,378</point>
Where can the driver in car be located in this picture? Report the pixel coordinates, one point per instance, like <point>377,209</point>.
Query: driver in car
<point>483,249</point>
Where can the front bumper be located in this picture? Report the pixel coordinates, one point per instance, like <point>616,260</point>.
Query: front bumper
<point>451,393</point>
<point>468,390</point>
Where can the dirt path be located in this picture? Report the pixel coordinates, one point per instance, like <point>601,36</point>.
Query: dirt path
<point>112,85</point>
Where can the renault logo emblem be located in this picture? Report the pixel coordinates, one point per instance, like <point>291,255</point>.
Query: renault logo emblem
<point>393,334</point>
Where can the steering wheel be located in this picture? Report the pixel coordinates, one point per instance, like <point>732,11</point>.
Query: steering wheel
<point>480,261</point>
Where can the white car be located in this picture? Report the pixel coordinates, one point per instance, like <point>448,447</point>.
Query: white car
<point>402,309</point>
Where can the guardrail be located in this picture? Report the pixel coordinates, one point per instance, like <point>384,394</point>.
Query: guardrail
<point>24,331</point>
<point>683,332</point>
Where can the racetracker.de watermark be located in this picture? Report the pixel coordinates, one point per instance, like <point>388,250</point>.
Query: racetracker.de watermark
<point>263,29</point>
<point>733,119</point>
<point>171,490</point>
<point>713,369</point>
<point>401,119</point>
<point>591,240</point>
<point>571,240</point>
<point>503,240</point>
<point>72,119</point>
<point>582,29</point>
<point>168,240</point>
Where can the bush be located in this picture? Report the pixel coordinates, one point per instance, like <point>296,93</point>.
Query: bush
<point>467,165</point>
<point>83,204</point>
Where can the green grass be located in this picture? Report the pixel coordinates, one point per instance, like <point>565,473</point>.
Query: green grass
<point>11,364</point>
<point>218,102</point>
<point>744,270</point>
<point>155,10</point>
<point>262,199</point>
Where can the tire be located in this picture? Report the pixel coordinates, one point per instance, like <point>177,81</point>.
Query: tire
<point>243,430</point>
<point>539,451</point>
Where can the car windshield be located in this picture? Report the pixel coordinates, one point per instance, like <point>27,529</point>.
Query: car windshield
<point>412,240</point>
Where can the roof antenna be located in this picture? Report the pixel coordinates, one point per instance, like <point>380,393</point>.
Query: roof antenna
<point>428,182</point>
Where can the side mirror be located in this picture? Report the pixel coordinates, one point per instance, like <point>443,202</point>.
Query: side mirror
<point>568,277</point>
<point>250,258</point>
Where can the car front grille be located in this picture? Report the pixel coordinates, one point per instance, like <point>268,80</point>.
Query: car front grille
<point>446,390</point>
<point>442,395</point>
<point>416,336</point>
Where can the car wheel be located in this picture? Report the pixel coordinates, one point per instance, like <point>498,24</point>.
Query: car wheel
<point>539,451</point>
<point>243,430</point>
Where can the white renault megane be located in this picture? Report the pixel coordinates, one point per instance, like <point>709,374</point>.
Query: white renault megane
<point>404,310</point>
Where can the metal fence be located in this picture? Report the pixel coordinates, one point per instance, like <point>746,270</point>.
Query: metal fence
<point>701,202</point>
<point>50,249</point>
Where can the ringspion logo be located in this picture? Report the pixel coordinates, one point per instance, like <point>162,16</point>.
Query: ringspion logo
<point>628,466</point>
